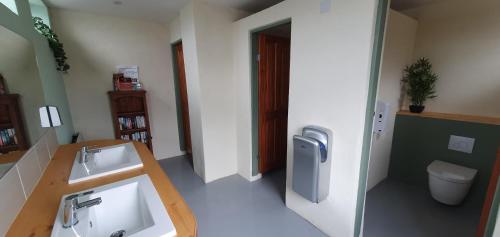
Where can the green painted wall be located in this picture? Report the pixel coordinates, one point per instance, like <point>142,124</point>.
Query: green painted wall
<point>492,219</point>
<point>255,103</point>
<point>419,141</point>
<point>378,44</point>
<point>51,79</point>
<point>38,9</point>
<point>10,4</point>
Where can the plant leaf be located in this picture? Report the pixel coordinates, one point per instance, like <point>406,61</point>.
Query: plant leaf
<point>420,81</point>
<point>54,44</point>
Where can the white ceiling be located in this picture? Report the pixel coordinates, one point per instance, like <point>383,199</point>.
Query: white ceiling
<point>156,10</point>
<point>401,5</point>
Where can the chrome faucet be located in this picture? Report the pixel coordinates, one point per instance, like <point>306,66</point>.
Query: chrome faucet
<point>71,205</point>
<point>85,151</point>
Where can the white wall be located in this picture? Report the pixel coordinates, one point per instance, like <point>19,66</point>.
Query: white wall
<point>188,34</point>
<point>398,52</point>
<point>175,29</point>
<point>214,40</point>
<point>95,45</point>
<point>206,33</point>
<point>461,38</point>
<point>329,74</point>
<point>18,183</point>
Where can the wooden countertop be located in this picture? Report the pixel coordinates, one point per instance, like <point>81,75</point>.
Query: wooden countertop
<point>11,157</point>
<point>455,117</point>
<point>39,212</point>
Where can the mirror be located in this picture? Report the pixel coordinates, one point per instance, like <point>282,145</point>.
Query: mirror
<point>38,9</point>
<point>21,95</point>
<point>11,5</point>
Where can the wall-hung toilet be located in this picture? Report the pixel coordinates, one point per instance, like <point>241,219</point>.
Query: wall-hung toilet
<point>449,183</point>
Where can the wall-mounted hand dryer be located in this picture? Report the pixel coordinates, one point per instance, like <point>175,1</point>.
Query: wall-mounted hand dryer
<point>312,163</point>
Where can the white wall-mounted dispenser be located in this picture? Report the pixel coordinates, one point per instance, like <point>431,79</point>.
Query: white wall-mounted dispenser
<point>381,115</point>
<point>312,157</point>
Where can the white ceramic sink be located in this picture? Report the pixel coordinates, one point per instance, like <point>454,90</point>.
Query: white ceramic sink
<point>132,205</point>
<point>111,160</point>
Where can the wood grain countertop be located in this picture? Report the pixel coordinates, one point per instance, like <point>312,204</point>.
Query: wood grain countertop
<point>40,210</point>
<point>11,157</point>
<point>454,117</point>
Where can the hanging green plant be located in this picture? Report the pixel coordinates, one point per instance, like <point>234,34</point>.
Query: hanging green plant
<point>55,45</point>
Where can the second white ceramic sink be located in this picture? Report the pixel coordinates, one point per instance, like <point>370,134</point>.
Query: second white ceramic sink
<point>130,207</point>
<point>110,160</point>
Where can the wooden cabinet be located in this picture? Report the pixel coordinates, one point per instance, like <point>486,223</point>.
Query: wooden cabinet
<point>129,111</point>
<point>12,133</point>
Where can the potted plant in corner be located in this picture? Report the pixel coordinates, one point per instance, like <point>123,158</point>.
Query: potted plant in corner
<point>420,82</point>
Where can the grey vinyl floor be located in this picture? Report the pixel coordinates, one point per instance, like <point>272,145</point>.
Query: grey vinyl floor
<point>232,206</point>
<point>395,209</point>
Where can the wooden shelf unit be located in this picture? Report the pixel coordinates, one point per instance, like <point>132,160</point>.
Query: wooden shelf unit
<point>11,117</point>
<point>454,117</point>
<point>129,104</point>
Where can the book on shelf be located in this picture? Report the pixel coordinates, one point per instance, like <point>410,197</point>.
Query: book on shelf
<point>131,122</point>
<point>8,137</point>
<point>137,136</point>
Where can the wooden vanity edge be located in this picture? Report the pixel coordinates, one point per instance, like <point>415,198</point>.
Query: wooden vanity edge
<point>38,214</point>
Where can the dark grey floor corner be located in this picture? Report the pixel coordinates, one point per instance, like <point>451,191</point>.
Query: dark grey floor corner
<point>232,206</point>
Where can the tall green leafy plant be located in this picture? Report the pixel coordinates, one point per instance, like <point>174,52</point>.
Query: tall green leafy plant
<point>420,81</point>
<point>55,45</point>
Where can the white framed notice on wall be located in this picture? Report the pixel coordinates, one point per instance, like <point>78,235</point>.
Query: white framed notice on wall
<point>131,72</point>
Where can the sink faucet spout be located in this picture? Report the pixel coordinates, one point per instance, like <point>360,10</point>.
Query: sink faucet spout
<point>89,203</point>
<point>71,204</point>
<point>85,151</point>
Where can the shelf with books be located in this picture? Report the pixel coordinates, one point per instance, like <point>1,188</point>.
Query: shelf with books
<point>6,125</point>
<point>127,114</point>
<point>8,140</point>
<point>12,130</point>
<point>136,136</point>
<point>130,116</point>
<point>133,130</point>
<point>8,148</point>
<point>131,122</point>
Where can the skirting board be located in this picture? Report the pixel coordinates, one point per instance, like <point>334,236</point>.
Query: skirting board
<point>256,177</point>
<point>181,153</point>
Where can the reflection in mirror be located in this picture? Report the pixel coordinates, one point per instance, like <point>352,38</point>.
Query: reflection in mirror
<point>20,97</point>
<point>10,4</point>
<point>38,9</point>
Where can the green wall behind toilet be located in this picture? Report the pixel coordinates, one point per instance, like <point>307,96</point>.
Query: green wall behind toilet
<point>419,141</point>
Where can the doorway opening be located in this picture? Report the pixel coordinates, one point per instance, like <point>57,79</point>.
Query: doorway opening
<point>181,99</point>
<point>419,178</point>
<point>270,88</point>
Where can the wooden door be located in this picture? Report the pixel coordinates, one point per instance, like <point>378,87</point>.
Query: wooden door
<point>274,71</point>
<point>490,195</point>
<point>183,97</point>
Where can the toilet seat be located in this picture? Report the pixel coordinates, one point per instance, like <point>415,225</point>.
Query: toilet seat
<point>451,172</point>
<point>449,183</point>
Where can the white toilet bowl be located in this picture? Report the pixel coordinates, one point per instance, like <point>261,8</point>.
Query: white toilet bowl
<point>449,183</point>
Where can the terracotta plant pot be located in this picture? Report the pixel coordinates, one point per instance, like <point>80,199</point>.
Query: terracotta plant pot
<point>417,108</point>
